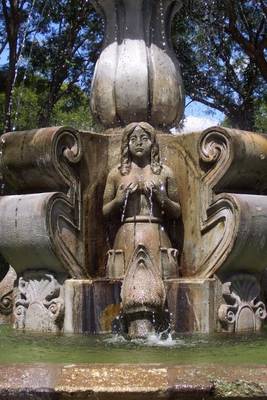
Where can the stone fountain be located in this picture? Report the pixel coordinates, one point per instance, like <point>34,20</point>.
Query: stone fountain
<point>134,228</point>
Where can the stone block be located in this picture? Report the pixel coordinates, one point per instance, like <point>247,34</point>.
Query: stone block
<point>92,305</point>
<point>193,304</point>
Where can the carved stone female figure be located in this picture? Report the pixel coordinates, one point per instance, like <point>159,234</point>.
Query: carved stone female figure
<point>142,193</point>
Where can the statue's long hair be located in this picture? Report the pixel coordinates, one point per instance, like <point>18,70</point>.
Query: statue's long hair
<point>125,165</point>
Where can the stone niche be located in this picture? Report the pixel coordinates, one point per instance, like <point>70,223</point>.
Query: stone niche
<point>53,233</point>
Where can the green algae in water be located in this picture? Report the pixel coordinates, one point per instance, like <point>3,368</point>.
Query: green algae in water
<point>20,347</point>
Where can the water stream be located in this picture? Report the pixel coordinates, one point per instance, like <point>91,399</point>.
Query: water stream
<point>19,347</point>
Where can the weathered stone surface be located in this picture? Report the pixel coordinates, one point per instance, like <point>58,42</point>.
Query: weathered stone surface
<point>220,231</point>
<point>131,382</point>
<point>143,295</point>
<point>91,306</point>
<point>42,230</point>
<point>243,311</point>
<point>6,296</point>
<point>137,76</point>
<point>233,209</point>
<point>193,304</point>
<point>39,302</point>
<point>141,197</point>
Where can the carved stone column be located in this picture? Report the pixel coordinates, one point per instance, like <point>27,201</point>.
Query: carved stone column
<point>137,76</point>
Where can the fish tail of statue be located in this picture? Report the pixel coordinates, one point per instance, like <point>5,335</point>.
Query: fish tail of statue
<point>143,295</point>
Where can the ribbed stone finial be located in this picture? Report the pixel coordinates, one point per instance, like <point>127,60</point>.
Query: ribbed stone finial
<point>137,76</point>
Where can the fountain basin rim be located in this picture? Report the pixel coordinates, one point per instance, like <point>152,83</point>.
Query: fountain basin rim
<point>122,381</point>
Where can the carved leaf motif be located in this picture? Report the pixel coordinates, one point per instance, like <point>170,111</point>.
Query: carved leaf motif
<point>243,287</point>
<point>39,289</point>
<point>39,304</point>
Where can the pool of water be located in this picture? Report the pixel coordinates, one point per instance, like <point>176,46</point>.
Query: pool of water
<point>20,347</point>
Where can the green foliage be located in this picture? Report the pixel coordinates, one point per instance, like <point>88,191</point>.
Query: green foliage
<point>211,40</point>
<point>25,113</point>
<point>71,110</point>
<point>221,46</point>
<point>68,111</point>
<point>238,389</point>
<point>261,117</point>
<point>58,43</point>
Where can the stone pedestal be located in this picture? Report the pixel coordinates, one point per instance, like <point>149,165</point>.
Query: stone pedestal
<point>193,304</point>
<point>92,306</point>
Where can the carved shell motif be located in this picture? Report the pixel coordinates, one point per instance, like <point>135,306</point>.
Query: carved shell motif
<point>41,293</point>
<point>243,309</point>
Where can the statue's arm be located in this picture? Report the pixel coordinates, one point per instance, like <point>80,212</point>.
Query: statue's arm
<point>171,205</point>
<point>110,204</point>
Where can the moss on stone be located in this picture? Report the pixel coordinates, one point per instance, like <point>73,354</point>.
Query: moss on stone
<point>238,388</point>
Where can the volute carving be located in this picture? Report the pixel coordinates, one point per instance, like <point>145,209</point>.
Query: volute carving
<point>231,210</point>
<point>6,294</point>
<point>42,227</point>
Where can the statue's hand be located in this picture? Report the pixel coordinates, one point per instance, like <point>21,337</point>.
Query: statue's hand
<point>158,190</point>
<point>123,191</point>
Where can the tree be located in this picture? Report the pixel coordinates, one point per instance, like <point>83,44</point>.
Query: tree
<point>67,52</point>
<point>216,70</point>
<point>246,23</point>
<point>59,43</point>
<point>71,110</point>
<point>261,116</point>
<point>17,22</point>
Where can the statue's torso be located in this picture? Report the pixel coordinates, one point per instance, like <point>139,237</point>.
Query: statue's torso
<point>141,202</point>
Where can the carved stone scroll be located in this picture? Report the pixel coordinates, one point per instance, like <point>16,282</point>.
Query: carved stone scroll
<point>243,310</point>
<point>232,225</point>
<point>42,230</point>
<point>6,295</point>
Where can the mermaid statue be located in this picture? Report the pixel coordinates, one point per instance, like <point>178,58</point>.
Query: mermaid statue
<point>141,193</point>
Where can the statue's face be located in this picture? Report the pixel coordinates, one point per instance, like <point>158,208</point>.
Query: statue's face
<point>140,143</point>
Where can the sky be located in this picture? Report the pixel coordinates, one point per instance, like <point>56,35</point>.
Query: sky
<point>199,117</point>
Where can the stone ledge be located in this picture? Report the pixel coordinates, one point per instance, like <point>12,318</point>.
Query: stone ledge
<point>133,382</point>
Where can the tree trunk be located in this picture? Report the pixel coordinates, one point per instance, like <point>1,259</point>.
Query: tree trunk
<point>12,23</point>
<point>46,112</point>
<point>244,118</point>
<point>9,89</point>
